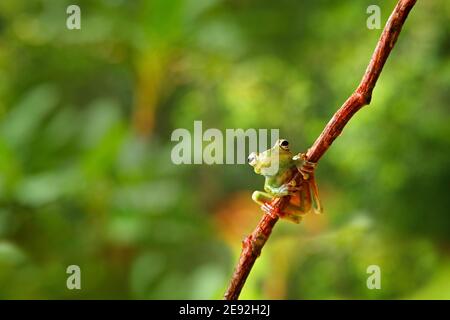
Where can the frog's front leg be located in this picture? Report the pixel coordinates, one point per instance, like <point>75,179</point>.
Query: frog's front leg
<point>281,191</point>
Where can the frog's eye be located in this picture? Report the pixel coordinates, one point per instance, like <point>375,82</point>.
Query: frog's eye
<point>284,144</point>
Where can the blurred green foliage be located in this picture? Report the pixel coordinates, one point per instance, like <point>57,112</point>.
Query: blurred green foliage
<point>85,171</point>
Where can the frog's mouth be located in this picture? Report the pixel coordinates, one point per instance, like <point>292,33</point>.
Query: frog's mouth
<point>255,160</point>
<point>252,159</point>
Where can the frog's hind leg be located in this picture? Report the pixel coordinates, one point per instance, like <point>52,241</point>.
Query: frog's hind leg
<point>264,199</point>
<point>261,197</point>
<point>299,205</point>
<point>292,213</point>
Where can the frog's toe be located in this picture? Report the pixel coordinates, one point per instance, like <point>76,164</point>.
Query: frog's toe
<point>267,208</point>
<point>284,189</point>
<point>288,189</point>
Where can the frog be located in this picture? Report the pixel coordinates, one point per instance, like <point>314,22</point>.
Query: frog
<point>286,174</point>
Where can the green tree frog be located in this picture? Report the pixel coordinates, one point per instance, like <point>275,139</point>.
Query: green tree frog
<point>280,168</point>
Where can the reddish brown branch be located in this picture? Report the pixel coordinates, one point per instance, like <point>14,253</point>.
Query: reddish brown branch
<point>253,244</point>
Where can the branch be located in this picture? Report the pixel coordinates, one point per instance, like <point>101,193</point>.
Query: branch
<point>253,244</point>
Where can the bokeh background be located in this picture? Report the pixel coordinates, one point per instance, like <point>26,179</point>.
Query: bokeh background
<point>85,173</point>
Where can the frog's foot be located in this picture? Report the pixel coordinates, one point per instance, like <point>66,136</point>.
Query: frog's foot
<point>270,210</point>
<point>307,172</point>
<point>293,218</point>
<point>307,169</point>
<point>287,189</point>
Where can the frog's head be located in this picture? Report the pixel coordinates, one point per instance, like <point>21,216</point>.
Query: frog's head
<point>268,162</point>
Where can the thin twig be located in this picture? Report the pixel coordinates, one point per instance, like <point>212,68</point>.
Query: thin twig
<point>253,244</point>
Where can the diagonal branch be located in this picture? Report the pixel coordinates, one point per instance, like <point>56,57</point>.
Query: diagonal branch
<point>253,244</point>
